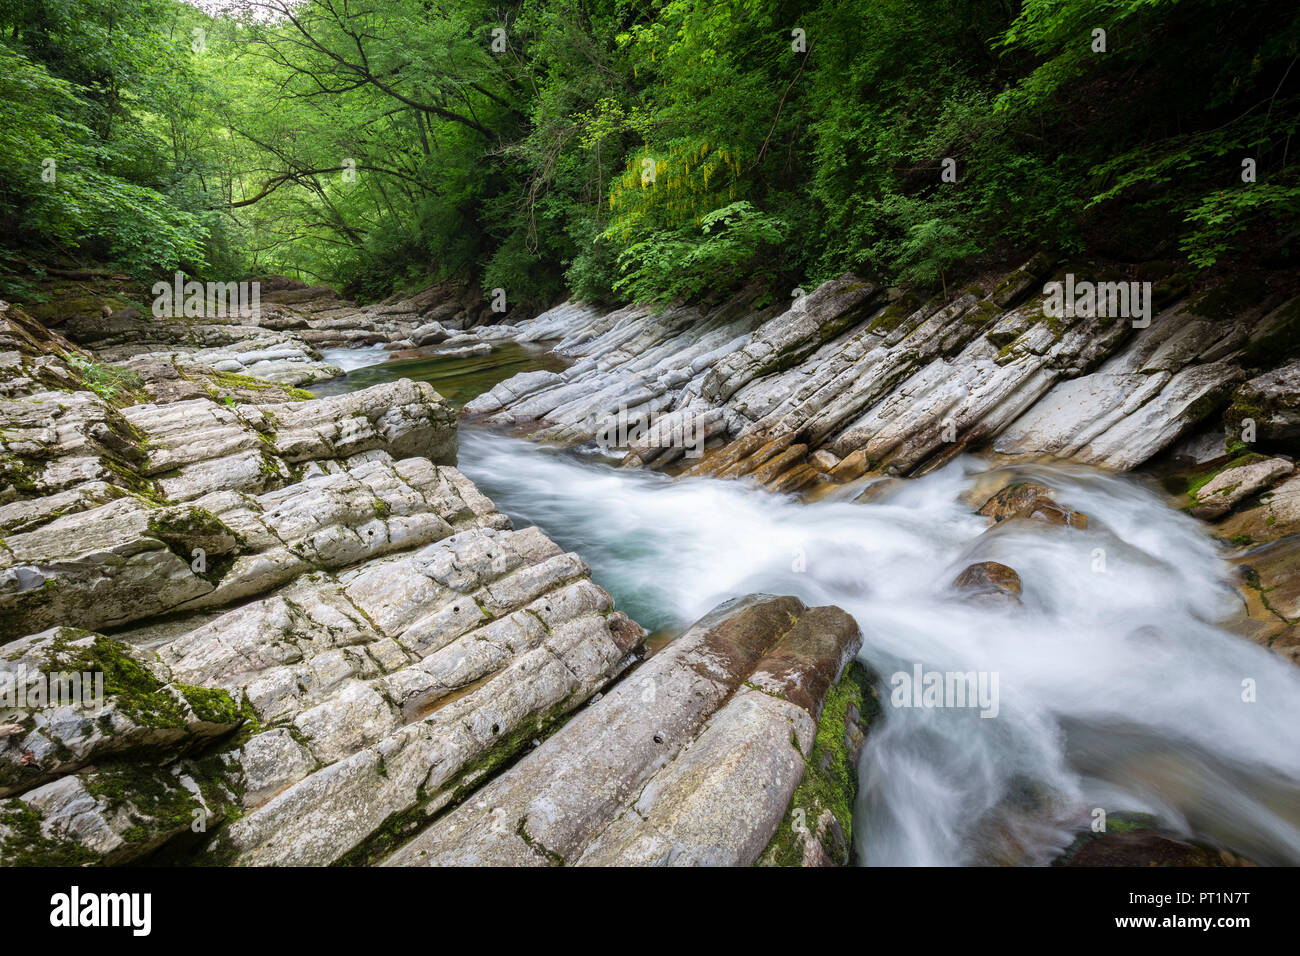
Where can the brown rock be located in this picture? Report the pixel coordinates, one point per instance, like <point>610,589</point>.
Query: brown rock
<point>1269,582</point>
<point>1147,848</point>
<point>774,467</point>
<point>793,479</point>
<point>880,489</point>
<point>854,465</point>
<point>765,452</point>
<point>1029,500</point>
<point>989,579</point>
<point>1276,515</point>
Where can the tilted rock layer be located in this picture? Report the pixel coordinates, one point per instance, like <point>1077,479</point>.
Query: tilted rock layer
<point>851,379</point>
<point>319,627</point>
<point>311,640</point>
<point>692,760</point>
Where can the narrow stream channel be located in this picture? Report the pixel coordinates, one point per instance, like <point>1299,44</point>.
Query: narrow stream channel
<point>1115,689</point>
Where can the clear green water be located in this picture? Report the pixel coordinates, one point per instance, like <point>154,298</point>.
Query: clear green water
<point>457,379</point>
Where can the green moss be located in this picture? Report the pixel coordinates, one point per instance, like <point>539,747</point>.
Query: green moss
<point>131,481</point>
<point>1199,481</point>
<point>269,467</point>
<point>1010,282</point>
<point>1119,822</point>
<point>225,383</point>
<point>135,691</point>
<point>231,380</point>
<point>187,522</point>
<point>62,308</point>
<point>392,833</point>
<point>1283,341</point>
<point>549,855</point>
<point>400,827</point>
<point>508,747</point>
<point>212,705</point>
<point>1129,822</point>
<point>1207,405</point>
<point>156,804</point>
<point>895,313</point>
<point>1170,289</point>
<point>983,311</point>
<point>830,779</point>
<point>23,474</point>
<point>147,801</point>
<point>184,528</point>
<point>25,845</point>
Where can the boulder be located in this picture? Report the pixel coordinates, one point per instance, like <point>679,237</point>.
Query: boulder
<point>1236,483</point>
<point>1135,841</point>
<point>691,759</point>
<point>1269,585</point>
<point>1275,514</point>
<point>1272,402</point>
<point>989,581</point>
<point>1025,499</point>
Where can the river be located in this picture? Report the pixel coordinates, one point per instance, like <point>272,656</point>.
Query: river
<point>1115,689</point>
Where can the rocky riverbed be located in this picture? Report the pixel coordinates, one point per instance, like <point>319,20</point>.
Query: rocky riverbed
<point>317,636</point>
<point>323,644</point>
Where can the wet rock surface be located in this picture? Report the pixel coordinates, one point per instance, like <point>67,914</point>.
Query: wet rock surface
<point>1269,585</point>
<point>1271,402</point>
<point>1137,842</point>
<point>1237,483</point>
<point>989,581</point>
<point>1033,501</point>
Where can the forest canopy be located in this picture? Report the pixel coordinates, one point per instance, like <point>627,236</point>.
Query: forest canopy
<point>647,150</point>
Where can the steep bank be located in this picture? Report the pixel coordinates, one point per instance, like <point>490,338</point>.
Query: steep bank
<point>887,385</point>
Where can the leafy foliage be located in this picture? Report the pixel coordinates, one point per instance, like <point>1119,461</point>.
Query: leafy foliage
<point>114,384</point>
<point>656,149</point>
<point>676,264</point>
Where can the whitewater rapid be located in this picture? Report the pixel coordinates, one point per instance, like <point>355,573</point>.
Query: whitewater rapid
<point>1117,692</point>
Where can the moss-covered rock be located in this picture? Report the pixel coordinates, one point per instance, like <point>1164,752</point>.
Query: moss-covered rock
<point>817,829</point>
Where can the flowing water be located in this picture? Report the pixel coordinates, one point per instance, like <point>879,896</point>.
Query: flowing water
<point>1115,690</point>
